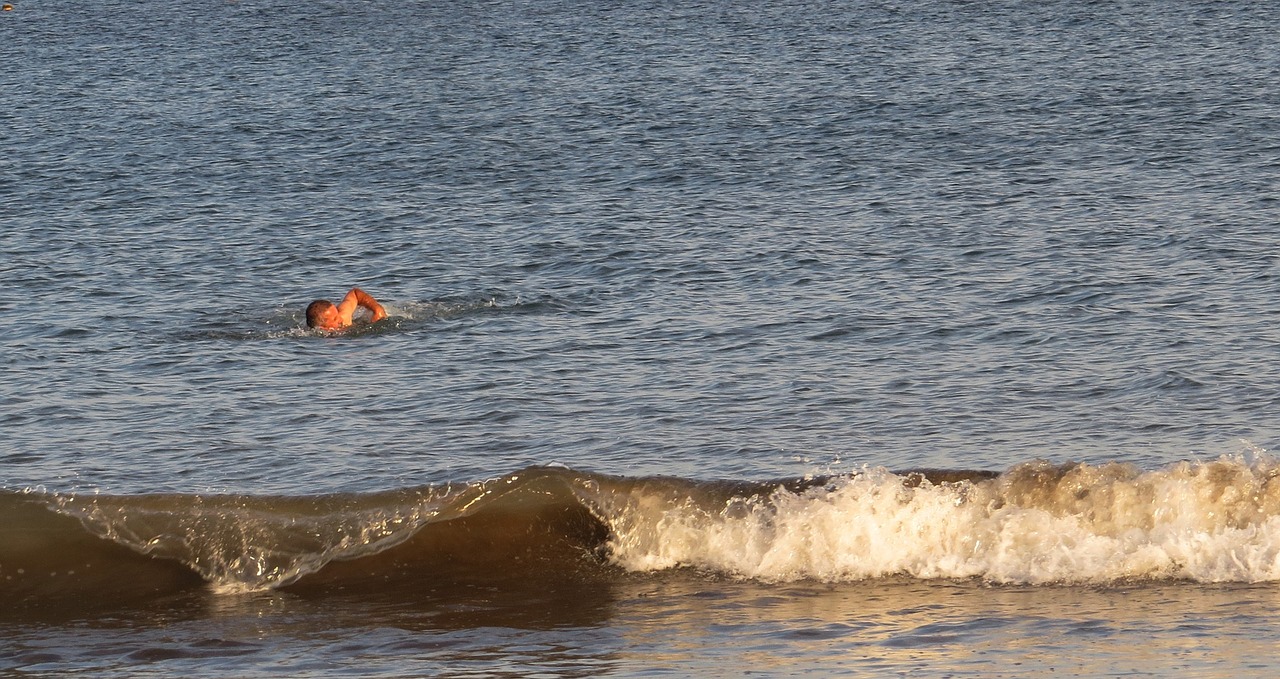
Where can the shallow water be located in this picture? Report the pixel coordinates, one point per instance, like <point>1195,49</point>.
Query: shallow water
<point>642,240</point>
<point>683,625</point>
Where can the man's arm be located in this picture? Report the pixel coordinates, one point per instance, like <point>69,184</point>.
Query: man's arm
<point>365,300</point>
<point>347,307</point>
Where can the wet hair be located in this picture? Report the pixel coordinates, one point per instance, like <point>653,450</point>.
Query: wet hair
<point>314,310</point>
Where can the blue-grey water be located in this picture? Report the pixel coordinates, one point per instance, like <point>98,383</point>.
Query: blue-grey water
<point>629,240</point>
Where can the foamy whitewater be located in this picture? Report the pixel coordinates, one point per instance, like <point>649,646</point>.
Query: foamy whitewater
<point>1037,523</point>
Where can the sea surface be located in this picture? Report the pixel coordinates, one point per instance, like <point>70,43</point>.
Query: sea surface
<point>923,338</point>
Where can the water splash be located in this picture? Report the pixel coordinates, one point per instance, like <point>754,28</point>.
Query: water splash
<point>1037,523</point>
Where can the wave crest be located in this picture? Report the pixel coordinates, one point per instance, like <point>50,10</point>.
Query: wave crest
<point>1037,523</point>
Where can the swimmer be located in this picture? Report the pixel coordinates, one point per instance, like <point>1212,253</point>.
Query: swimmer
<point>323,315</point>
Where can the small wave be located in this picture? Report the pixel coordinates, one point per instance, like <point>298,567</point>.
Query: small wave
<point>246,543</point>
<point>1036,523</point>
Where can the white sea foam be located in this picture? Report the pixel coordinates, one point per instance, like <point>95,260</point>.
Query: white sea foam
<point>1038,523</point>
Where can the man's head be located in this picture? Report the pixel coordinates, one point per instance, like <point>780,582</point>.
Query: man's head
<point>324,315</point>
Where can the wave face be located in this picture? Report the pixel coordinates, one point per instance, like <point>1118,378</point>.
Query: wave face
<point>1214,521</point>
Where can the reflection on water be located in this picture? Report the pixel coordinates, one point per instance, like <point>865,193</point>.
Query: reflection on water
<point>923,628</point>
<point>679,624</point>
<point>557,631</point>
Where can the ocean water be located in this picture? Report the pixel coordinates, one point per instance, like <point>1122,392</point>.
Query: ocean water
<point>791,338</point>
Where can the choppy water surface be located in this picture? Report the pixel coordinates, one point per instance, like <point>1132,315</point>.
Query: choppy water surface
<point>721,265</point>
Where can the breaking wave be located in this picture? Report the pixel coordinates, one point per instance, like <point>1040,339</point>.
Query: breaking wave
<point>1036,523</point>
